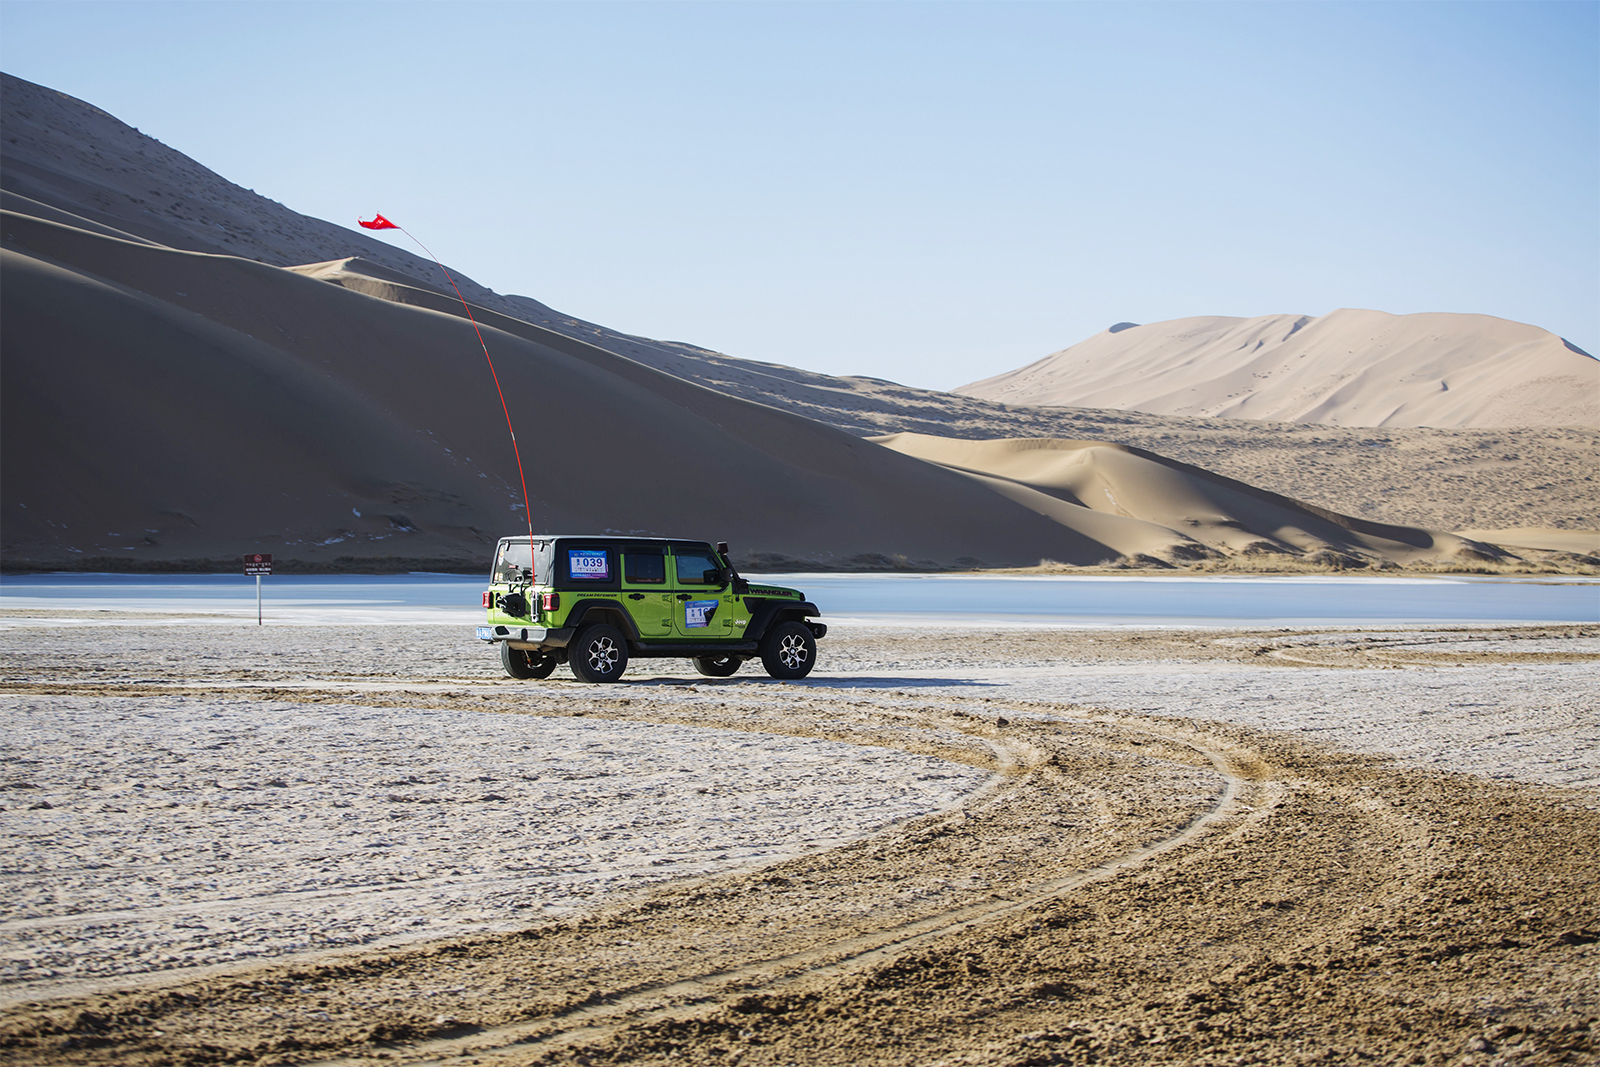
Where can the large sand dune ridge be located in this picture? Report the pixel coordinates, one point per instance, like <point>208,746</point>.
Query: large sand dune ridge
<point>167,404</point>
<point>1350,368</point>
<point>171,395</point>
<point>199,403</point>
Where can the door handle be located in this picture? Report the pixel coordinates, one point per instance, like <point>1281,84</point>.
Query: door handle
<point>685,596</point>
<point>635,596</point>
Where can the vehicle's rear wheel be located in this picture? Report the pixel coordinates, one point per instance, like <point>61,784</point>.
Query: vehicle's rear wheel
<point>789,650</point>
<point>522,664</point>
<point>598,654</point>
<point>718,666</point>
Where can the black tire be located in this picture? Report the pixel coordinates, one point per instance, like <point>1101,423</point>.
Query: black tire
<point>789,650</point>
<point>598,654</point>
<point>522,664</point>
<point>718,666</point>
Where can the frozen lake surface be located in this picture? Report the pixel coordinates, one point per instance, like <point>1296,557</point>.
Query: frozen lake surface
<point>873,599</point>
<point>1218,600</point>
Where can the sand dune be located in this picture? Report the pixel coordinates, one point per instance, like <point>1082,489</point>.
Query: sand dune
<point>161,404</point>
<point>203,406</point>
<point>1440,479</point>
<point>197,404</point>
<point>1348,368</point>
<point>1542,539</point>
<point>68,161</point>
<point>1146,505</point>
<point>71,162</point>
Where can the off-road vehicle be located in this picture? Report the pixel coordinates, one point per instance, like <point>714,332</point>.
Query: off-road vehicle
<point>594,602</point>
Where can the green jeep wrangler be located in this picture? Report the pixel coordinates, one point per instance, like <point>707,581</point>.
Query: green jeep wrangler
<point>593,602</point>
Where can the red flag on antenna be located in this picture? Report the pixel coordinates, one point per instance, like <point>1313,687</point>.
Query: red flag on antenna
<point>378,223</point>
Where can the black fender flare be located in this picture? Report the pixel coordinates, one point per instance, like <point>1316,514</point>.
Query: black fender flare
<point>769,614</point>
<point>609,611</point>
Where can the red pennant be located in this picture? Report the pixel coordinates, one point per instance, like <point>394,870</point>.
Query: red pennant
<point>378,223</point>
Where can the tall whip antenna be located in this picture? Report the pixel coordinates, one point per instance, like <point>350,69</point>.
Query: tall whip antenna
<point>381,223</point>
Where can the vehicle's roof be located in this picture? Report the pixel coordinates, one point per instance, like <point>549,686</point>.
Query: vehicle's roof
<point>614,538</point>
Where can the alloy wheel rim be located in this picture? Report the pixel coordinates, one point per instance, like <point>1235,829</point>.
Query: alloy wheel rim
<point>792,651</point>
<point>602,655</point>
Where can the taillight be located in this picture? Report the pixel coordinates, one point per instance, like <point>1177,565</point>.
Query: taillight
<point>488,599</point>
<point>550,601</point>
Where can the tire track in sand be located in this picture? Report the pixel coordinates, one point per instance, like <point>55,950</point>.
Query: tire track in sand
<point>695,995</point>
<point>1347,910</point>
<point>1028,781</point>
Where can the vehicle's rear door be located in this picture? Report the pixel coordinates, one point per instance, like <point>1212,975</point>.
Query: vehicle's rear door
<point>513,562</point>
<point>703,605</point>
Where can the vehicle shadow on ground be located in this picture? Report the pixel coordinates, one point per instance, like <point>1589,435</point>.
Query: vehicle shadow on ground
<point>852,681</point>
<point>832,681</point>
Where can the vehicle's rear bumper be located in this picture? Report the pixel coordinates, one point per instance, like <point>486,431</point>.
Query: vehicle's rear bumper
<point>534,638</point>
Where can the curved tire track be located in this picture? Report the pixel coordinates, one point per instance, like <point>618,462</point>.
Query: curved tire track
<point>694,995</point>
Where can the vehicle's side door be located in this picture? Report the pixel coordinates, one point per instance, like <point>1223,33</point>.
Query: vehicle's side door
<point>646,591</point>
<point>704,605</point>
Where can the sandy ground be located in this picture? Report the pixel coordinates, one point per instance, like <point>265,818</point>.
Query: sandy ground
<point>245,829</point>
<point>1119,846</point>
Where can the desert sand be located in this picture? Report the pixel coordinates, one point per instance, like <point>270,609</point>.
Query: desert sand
<point>1535,537</point>
<point>1349,368</point>
<point>276,412</point>
<point>1151,507</point>
<point>367,847</point>
<point>1440,479</point>
<point>357,429</point>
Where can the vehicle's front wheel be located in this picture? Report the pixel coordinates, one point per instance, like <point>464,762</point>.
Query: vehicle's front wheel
<point>522,664</point>
<point>789,650</point>
<point>718,666</point>
<point>598,654</point>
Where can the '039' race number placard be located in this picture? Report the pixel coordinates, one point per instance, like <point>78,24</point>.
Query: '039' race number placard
<point>589,564</point>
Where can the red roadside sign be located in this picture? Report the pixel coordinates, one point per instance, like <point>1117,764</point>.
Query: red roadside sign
<point>258,563</point>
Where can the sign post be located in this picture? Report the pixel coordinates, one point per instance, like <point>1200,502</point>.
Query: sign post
<point>258,563</point>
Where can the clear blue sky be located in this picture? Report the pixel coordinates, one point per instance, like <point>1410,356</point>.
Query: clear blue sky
<point>927,192</point>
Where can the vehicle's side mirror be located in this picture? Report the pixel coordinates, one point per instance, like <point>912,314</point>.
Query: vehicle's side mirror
<point>713,576</point>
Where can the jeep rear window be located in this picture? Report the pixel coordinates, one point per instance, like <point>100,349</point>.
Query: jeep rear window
<point>515,557</point>
<point>590,565</point>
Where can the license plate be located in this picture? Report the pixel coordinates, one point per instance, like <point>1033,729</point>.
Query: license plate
<point>485,633</point>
